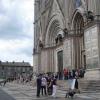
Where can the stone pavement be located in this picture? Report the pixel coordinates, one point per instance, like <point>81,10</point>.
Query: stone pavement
<point>27,92</point>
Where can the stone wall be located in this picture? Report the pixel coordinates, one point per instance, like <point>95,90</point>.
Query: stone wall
<point>67,53</point>
<point>48,11</point>
<point>91,47</point>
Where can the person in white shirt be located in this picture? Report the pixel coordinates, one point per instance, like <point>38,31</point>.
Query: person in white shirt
<point>43,85</point>
<point>54,83</point>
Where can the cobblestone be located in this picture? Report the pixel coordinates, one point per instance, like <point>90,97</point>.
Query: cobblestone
<point>27,92</point>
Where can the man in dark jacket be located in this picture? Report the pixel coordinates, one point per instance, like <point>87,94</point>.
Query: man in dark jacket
<point>38,85</point>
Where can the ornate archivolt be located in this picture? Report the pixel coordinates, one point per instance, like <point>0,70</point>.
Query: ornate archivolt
<point>77,25</point>
<point>55,26</point>
<point>55,21</point>
<point>79,10</point>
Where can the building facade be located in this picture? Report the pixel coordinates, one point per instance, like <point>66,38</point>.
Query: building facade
<point>66,35</point>
<point>14,69</point>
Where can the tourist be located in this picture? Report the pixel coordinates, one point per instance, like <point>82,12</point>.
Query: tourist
<point>43,84</point>
<point>54,83</point>
<point>38,85</point>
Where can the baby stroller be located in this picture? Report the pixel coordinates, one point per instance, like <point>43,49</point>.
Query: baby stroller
<point>71,92</point>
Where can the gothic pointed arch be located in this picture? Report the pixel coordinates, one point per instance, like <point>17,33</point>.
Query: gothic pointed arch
<point>55,13</point>
<point>55,25</point>
<point>80,11</point>
<point>78,20</point>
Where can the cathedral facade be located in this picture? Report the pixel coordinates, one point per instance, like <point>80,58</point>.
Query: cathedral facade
<point>66,35</point>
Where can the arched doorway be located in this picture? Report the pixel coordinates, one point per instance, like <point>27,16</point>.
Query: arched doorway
<point>54,59</point>
<point>78,42</point>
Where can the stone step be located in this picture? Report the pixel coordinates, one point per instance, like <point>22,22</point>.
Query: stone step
<point>91,86</point>
<point>90,83</point>
<point>85,85</point>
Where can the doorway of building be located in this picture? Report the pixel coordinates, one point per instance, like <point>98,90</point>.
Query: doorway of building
<point>78,42</point>
<point>60,63</point>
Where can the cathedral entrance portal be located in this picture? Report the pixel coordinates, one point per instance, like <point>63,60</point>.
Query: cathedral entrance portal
<point>78,42</point>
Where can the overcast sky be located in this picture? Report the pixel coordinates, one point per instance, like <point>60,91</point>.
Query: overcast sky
<point>16,30</point>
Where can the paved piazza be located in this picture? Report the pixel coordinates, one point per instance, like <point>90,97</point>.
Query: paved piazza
<point>13,91</point>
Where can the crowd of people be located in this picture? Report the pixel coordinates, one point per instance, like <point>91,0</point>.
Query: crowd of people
<point>24,78</point>
<point>20,78</point>
<point>68,74</point>
<point>47,83</point>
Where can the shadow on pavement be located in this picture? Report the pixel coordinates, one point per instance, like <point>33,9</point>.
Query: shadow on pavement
<point>5,96</point>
